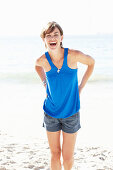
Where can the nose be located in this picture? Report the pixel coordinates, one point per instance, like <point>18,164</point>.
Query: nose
<point>52,37</point>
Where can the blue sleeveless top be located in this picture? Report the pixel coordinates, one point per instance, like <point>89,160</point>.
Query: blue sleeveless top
<point>62,90</point>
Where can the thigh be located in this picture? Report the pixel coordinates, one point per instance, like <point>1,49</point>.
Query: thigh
<point>54,141</point>
<point>69,140</point>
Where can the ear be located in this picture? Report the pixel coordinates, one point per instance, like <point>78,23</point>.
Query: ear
<point>62,38</point>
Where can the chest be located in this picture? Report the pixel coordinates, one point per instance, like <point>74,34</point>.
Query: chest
<point>58,64</point>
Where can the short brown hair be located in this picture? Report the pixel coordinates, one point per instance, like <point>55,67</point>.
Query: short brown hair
<point>50,28</point>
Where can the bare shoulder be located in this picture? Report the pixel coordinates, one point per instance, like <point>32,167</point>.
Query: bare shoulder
<point>77,53</point>
<point>74,53</point>
<point>41,60</point>
<point>78,56</point>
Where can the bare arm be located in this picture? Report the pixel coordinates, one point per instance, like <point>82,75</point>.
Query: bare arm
<point>89,61</point>
<point>39,69</point>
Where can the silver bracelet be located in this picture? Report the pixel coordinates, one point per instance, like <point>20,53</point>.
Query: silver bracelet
<point>44,82</point>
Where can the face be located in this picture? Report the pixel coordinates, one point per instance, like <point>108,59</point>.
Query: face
<point>53,39</point>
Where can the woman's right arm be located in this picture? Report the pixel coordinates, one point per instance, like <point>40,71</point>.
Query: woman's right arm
<point>39,69</point>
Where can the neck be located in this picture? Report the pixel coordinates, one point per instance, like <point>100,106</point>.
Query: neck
<point>57,54</point>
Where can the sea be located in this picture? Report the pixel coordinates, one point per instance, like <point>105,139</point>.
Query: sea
<point>21,90</point>
<point>18,56</point>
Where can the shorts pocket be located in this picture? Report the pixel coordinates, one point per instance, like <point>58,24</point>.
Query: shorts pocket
<point>48,119</point>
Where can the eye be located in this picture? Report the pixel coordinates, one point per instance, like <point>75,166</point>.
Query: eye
<point>48,36</point>
<point>56,35</point>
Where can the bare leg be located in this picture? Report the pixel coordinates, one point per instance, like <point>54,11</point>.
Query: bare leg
<point>68,149</point>
<point>54,143</point>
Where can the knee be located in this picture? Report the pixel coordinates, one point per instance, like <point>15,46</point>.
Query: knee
<point>68,158</point>
<point>55,155</point>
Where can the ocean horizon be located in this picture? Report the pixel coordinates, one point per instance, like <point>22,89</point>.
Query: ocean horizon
<point>18,56</point>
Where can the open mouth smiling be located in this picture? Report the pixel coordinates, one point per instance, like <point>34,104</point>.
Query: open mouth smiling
<point>53,44</point>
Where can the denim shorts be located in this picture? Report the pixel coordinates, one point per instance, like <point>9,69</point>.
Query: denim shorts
<point>68,125</point>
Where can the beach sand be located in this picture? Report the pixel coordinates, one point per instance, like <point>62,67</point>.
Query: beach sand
<point>35,154</point>
<point>23,141</point>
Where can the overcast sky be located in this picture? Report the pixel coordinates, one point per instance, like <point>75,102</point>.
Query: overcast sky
<point>27,17</point>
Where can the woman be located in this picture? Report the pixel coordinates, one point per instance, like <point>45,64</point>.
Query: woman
<point>57,69</point>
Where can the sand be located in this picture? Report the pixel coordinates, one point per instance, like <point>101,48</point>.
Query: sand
<point>23,141</point>
<point>26,154</point>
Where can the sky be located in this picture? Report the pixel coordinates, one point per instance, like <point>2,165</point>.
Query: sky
<point>76,17</point>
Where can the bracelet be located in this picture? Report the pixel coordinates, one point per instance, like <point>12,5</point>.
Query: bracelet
<point>44,82</point>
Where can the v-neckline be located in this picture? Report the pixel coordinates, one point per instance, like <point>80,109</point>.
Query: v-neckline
<point>54,64</point>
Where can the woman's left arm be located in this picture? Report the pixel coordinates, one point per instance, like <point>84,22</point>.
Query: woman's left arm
<point>90,62</point>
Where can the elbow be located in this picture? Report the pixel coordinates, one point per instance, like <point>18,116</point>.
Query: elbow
<point>36,67</point>
<point>93,62</point>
